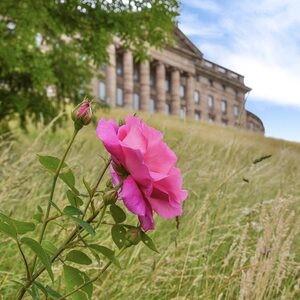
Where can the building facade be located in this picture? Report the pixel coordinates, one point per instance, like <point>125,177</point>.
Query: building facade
<point>178,81</point>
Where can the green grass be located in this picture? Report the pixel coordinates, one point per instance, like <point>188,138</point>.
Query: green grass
<point>238,237</point>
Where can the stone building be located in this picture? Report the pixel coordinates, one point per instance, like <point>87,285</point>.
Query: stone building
<point>179,81</point>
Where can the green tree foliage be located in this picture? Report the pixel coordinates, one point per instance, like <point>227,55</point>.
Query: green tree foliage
<point>58,44</point>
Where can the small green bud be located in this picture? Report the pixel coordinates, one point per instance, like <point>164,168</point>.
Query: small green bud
<point>133,236</point>
<point>110,197</point>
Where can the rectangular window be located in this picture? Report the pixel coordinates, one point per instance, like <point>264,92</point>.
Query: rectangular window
<point>102,91</point>
<point>224,106</point>
<point>224,122</point>
<point>236,111</point>
<point>211,118</point>
<point>136,102</point>
<point>151,106</point>
<point>182,113</point>
<point>167,109</point>
<point>197,115</point>
<point>210,101</point>
<point>182,91</point>
<point>136,73</point>
<point>167,85</point>
<point>119,97</point>
<point>196,97</point>
<point>119,67</point>
<point>152,78</point>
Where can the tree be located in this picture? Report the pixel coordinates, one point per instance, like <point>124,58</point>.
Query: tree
<point>57,44</point>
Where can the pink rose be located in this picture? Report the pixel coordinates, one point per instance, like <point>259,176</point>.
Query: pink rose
<point>145,166</point>
<point>82,114</point>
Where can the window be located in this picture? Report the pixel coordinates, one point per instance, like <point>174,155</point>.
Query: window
<point>224,122</point>
<point>136,102</point>
<point>224,106</point>
<point>167,109</point>
<point>119,67</point>
<point>197,115</point>
<point>102,91</point>
<point>152,78</point>
<point>136,74</point>
<point>210,101</point>
<point>119,97</point>
<point>182,91</point>
<point>211,118</point>
<point>197,97</point>
<point>236,110</point>
<point>151,106</point>
<point>224,87</point>
<point>182,113</point>
<point>167,85</point>
<point>211,82</point>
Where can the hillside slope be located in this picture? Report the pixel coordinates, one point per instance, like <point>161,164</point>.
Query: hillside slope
<point>237,238</point>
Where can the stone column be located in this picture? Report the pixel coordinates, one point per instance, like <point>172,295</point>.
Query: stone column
<point>111,77</point>
<point>128,79</point>
<point>175,95</point>
<point>145,85</point>
<point>189,100</point>
<point>160,87</point>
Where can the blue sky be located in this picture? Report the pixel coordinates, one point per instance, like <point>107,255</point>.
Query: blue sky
<point>261,40</point>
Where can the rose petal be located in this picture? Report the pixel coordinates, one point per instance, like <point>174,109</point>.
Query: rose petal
<point>147,221</point>
<point>132,197</point>
<point>107,133</point>
<point>159,202</point>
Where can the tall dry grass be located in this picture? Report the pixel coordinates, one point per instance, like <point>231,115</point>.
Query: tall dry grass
<point>238,237</point>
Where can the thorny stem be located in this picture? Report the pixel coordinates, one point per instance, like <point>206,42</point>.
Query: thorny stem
<point>94,278</point>
<point>69,239</point>
<point>57,172</point>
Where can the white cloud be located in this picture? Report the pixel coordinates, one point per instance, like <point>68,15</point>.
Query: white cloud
<point>191,25</point>
<point>259,39</point>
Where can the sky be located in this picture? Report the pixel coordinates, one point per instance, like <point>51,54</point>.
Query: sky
<point>259,39</point>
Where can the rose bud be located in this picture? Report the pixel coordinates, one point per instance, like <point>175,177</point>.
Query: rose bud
<point>82,114</point>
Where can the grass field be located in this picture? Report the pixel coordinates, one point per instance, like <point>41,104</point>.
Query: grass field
<point>238,237</point>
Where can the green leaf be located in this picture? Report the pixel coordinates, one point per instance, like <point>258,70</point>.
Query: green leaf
<point>48,291</point>
<point>75,278</point>
<point>74,199</point>
<point>51,163</point>
<point>108,253</point>
<point>23,227</point>
<point>72,211</point>
<point>118,233</point>
<point>8,230</point>
<point>52,293</point>
<point>117,213</point>
<point>40,252</point>
<point>148,241</point>
<point>68,178</point>
<point>78,257</point>
<point>38,216</point>
<point>88,227</point>
<point>49,247</point>
<point>40,287</point>
<point>19,226</point>
<point>34,293</point>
